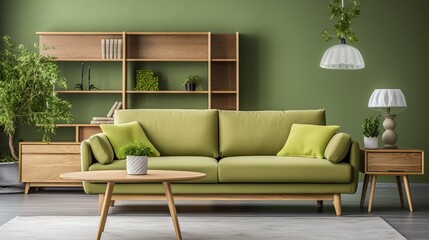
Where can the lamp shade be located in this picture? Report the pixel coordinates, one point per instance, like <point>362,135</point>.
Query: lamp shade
<point>387,99</point>
<point>342,56</point>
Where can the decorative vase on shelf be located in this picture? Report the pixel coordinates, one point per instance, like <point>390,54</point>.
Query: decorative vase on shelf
<point>370,142</point>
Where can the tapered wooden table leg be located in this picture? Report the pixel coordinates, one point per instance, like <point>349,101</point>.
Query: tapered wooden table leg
<point>172,208</point>
<point>105,208</point>
<point>364,189</point>
<point>371,193</point>
<point>401,195</point>
<point>408,192</point>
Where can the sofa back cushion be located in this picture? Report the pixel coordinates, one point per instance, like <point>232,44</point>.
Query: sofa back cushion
<point>260,132</point>
<point>176,132</point>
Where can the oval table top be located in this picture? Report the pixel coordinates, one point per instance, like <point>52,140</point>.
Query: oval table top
<point>122,176</point>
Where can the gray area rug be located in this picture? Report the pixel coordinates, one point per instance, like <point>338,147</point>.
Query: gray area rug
<point>199,228</point>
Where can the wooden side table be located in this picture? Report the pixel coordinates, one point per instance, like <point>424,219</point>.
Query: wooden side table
<point>390,162</point>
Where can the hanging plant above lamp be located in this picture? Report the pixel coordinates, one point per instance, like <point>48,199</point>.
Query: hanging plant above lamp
<point>342,56</point>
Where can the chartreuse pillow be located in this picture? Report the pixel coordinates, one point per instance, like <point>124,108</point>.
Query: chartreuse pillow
<point>307,140</point>
<point>122,134</point>
<point>101,148</point>
<point>338,147</point>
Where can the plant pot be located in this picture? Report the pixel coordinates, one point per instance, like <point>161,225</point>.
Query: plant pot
<point>9,178</point>
<point>370,142</point>
<point>137,165</point>
<point>190,86</point>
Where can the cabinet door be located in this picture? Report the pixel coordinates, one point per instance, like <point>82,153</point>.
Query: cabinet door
<point>45,163</point>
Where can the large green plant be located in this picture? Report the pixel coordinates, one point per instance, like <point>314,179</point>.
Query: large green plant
<point>27,92</point>
<point>344,16</point>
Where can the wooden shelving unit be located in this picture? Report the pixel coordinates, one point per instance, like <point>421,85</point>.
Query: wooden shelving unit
<point>219,51</point>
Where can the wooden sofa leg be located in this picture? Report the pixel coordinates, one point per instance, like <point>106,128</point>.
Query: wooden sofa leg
<point>337,204</point>
<point>112,203</point>
<point>319,203</point>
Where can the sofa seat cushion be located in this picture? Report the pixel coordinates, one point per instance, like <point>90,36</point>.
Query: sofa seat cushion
<point>275,169</point>
<point>205,165</point>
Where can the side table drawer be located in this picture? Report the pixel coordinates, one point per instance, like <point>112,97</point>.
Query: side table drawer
<point>395,162</point>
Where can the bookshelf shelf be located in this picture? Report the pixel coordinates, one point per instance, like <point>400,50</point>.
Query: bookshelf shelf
<point>168,92</point>
<point>88,92</point>
<point>169,60</point>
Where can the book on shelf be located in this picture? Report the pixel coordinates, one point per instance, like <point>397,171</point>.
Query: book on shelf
<point>102,118</point>
<point>112,109</point>
<point>102,122</point>
<point>111,45</point>
<point>119,106</point>
<point>119,48</point>
<point>115,48</point>
<point>107,48</point>
<point>103,48</point>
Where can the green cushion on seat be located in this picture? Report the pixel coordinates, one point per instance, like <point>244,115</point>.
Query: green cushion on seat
<point>272,169</point>
<point>307,140</point>
<point>122,134</point>
<point>101,148</point>
<point>338,147</point>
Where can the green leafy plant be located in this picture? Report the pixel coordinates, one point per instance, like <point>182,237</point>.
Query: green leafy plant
<point>146,81</point>
<point>27,92</point>
<point>135,149</point>
<point>370,127</point>
<point>344,16</point>
<point>193,80</point>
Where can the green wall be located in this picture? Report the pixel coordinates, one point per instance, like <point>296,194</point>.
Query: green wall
<point>280,49</point>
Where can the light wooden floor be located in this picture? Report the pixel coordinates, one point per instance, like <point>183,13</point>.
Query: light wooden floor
<point>50,202</point>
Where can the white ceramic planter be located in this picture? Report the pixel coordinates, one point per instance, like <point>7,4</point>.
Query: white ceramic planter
<point>370,142</point>
<point>137,165</point>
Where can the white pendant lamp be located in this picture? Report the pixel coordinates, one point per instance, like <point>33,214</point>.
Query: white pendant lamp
<point>342,56</point>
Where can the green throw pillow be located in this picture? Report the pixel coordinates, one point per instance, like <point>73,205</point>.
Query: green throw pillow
<point>122,134</point>
<point>101,148</point>
<point>338,147</point>
<point>307,140</point>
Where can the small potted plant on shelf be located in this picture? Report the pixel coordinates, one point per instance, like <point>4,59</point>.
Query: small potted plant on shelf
<point>370,130</point>
<point>137,157</point>
<point>192,83</point>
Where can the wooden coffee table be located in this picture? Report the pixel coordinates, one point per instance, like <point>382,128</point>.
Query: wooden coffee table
<point>121,176</point>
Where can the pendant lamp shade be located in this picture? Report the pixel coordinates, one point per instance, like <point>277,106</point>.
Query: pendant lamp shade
<point>342,56</point>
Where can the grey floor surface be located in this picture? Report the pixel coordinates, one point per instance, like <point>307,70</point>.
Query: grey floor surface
<point>61,202</point>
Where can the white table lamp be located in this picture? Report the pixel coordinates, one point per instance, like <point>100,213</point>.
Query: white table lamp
<point>389,102</point>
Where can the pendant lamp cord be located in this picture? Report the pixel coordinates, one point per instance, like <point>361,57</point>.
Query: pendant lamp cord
<point>342,40</point>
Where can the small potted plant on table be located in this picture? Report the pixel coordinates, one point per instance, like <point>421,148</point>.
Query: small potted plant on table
<point>137,157</point>
<point>370,130</point>
<point>192,83</point>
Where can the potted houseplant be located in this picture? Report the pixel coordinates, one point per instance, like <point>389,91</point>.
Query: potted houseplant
<point>371,130</point>
<point>192,83</point>
<point>27,93</point>
<point>137,157</point>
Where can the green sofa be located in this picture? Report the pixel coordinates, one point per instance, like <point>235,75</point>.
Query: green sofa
<point>237,151</point>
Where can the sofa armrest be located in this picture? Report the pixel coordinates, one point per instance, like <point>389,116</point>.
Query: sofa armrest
<point>86,157</point>
<point>353,158</point>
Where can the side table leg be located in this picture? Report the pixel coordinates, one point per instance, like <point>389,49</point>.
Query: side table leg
<point>408,192</point>
<point>401,195</point>
<point>371,193</point>
<point>105,208</point>
<point>27,188</point>
<point>172,208</point>
<point>364,189</point>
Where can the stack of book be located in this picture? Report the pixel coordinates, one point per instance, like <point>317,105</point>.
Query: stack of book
<point>111,48</point>
<point>109,117</point>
